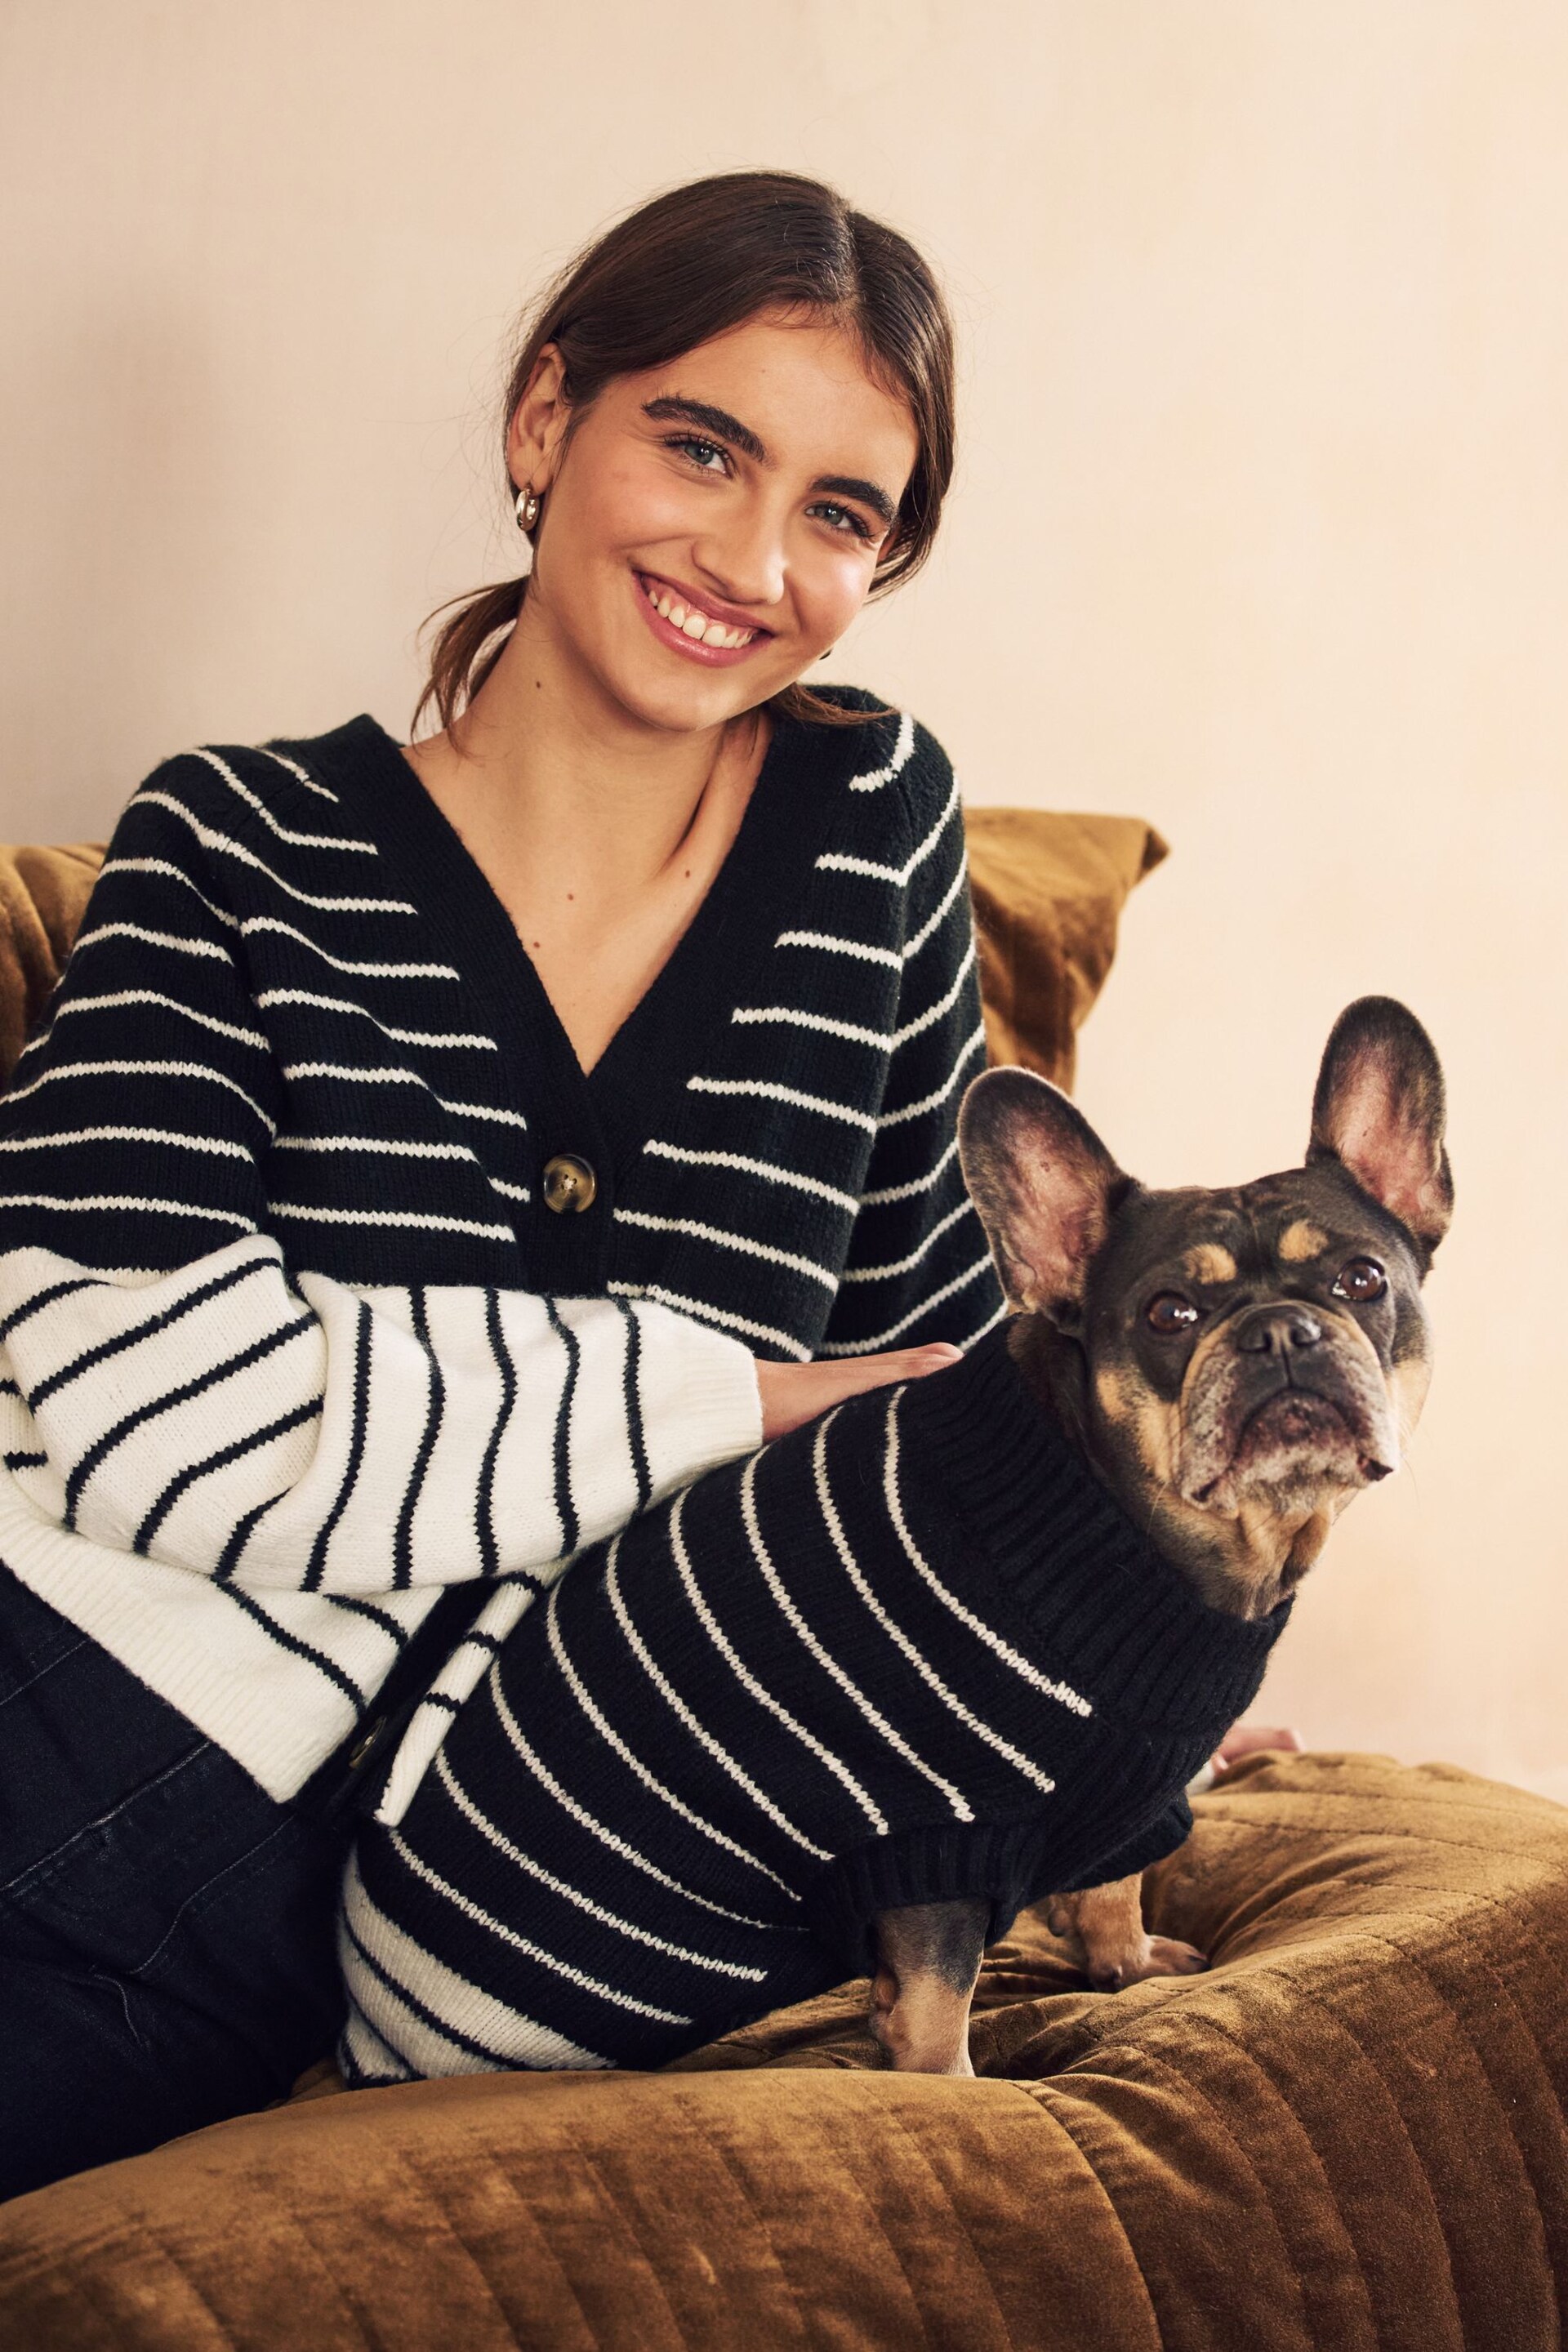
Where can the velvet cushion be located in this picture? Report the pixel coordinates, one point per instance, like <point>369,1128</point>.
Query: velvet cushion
<point>42,895</point>
<point>1047,890</point>
<point>1348,2138</point>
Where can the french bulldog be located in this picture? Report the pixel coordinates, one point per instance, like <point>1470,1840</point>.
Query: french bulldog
<point>1235,1365</point>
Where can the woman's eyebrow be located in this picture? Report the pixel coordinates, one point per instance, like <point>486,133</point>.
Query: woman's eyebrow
<point>713,420</point>
<point>870,494</point>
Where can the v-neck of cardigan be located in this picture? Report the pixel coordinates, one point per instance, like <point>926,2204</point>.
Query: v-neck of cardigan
<point>659,1043</point>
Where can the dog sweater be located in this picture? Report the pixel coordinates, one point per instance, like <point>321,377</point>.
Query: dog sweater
<point>913,1651</point>
<point>292,1338</point>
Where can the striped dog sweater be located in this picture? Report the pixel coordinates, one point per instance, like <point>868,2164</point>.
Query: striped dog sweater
<point>913,1651</point>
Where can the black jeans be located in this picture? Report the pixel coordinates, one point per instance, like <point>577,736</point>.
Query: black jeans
<point>166,1931</point>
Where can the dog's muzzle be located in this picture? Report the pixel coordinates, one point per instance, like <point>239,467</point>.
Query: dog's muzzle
<point>1284,1397</point>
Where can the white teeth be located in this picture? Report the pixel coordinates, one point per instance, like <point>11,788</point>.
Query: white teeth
<point>694,625</point>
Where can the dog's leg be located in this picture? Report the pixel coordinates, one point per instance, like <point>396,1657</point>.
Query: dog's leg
<point>928,1960</point>
<point>1105,1926</point>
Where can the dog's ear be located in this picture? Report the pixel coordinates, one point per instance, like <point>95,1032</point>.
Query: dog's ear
<point>1379,1110</point>
<point>1045,1186</point>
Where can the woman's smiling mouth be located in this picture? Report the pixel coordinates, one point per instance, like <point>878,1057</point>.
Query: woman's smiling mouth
<point>681,622</point>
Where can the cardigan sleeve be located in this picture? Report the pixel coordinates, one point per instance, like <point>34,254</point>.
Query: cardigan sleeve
<point>169,1387</point>
<point>917,1266</point>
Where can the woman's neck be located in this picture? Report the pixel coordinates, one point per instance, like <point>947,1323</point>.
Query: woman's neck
<point>599,834</point>
<point>580,785</point>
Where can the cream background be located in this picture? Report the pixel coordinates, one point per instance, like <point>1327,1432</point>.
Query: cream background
<point>1261,532</point>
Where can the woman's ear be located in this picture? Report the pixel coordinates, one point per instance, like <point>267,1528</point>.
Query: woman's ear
<point>1044,1184</point>
<point>538,429</point>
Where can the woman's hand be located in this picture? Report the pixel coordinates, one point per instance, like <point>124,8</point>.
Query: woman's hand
<point>1249,1739</point>
<point>793,1393</point>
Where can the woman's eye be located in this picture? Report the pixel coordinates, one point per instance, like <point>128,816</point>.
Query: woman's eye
<point>842,519</point>
<point>1171,1315</point>
<point>1361,1281</point>
<point>705,455</point>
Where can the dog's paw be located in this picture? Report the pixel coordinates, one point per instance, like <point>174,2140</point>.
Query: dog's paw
<point>1160,1956</point>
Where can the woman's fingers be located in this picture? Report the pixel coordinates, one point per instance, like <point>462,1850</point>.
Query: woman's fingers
<point>851,1374</point>
<point>794,1393</point>
<point>1249,1739</point>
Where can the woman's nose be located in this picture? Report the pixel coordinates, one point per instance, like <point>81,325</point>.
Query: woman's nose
<point>745,555</point>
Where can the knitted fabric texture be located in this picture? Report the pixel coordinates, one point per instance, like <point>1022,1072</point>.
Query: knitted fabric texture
<point>289,1340</point>
<point>910,1652</point>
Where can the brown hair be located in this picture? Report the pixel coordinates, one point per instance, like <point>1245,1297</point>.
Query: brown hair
<point>686,267</point>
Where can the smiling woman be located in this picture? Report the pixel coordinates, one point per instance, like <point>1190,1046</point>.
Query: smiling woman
<point>647,314</point>
<point>666,483</point>
<point>437,1152</point>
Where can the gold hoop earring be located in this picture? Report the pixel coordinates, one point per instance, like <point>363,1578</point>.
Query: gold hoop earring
<point>527,504</point>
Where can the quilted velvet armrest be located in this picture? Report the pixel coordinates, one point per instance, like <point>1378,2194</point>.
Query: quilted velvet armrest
<point>1350,2133</point>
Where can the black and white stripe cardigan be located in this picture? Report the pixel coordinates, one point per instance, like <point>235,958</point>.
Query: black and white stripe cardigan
<point>291,1341</point>
<point>911,1652</point>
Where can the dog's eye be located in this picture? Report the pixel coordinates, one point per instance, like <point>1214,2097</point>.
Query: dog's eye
<point>1169,1314</point>
<point>1361,1281</point>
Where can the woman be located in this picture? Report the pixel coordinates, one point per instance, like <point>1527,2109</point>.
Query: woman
<point>432,1154</point>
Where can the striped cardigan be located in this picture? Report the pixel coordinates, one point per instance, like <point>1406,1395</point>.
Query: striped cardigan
<point>910,1652</point>
<point>291,1341</point>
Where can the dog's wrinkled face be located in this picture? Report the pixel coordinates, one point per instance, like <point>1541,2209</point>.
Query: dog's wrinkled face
<point>1265,1347</point>
<point>1238,1364</point>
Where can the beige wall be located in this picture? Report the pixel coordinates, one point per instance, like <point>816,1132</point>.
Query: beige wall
<point>1262,531</point>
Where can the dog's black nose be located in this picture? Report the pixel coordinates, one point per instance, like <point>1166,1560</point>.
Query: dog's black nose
<point>1277,1329</point>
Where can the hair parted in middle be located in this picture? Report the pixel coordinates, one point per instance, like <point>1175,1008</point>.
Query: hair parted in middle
<point>692,264</point>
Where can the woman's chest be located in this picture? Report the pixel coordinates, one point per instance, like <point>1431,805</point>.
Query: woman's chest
<point>597,953</point>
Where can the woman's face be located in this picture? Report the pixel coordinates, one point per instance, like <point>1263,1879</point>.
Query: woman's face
<point>713,526</point>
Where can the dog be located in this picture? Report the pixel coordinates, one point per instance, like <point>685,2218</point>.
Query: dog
<point>923,1642</point>
<point>1235,1365</point>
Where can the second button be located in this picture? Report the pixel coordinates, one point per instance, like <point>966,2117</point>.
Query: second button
<point>569,1183</point>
